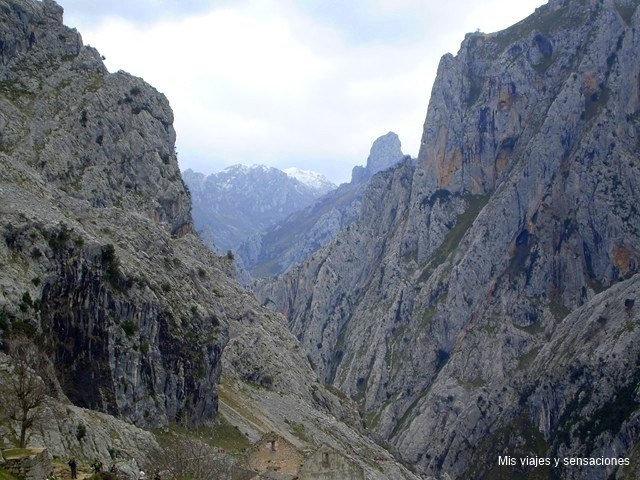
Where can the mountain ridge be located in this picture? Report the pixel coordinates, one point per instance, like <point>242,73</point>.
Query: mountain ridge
<point>241,200</point>
<point>517,219</point>
<point>298,236</point>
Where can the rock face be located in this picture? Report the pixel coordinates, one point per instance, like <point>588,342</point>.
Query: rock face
<point>301,234</point>
<point>232,205</point>
<point>385,153</point>
<point>484,301</point>
<point>100,266</point>
<point>94,216</point>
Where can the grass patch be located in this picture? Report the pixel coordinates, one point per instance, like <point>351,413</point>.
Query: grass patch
<point>626,11</point>
<point>556,305</point>
<point>527,359</point>
<point>221,435</point>
<point>299,430</point>
<point>454,236</point>
<point>18,452</point>
<point>405,417</point>
<point>545,22</point>
<point>4,475</point>
<point>518,439</point>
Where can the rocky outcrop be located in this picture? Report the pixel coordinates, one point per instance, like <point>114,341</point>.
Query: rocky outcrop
<point>296,238</point>
<point>94,218</point>
<point>240,201</point>
<point>444,308</point>
<point>101,269</point>
<point>33,464</point>
<point>385,153</point>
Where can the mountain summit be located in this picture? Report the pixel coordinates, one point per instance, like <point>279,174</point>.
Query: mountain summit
<point>240,201</point>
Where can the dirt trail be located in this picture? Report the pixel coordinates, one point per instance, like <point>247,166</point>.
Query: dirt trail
<point>63,472</point>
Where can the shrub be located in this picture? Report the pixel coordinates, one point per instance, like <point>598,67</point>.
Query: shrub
<point>111,265</point>
<point>81,431</point>
<point>129,327</point>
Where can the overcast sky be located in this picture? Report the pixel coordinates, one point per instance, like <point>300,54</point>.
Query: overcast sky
<point>306,83</point>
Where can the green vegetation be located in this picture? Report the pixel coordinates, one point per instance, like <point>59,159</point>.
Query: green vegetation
<point>453,237</point>
<point>545,22</point>
<point>611,415</point>
<point>58,242</point>
<point>372,418</point>
<point>626,11</point>
<point>4,321</point>
<point>4,475</point>
<point>556,305</point>
<point>299,430</point>
<point>407,414</point>
<point>527,359</point>
<point>81,431</point>
<point>111,266</point>
<point>14,90</point>
<point>129,327</point>
<point>222,434</point>
<point>518,439</point>
<point>17,452</point>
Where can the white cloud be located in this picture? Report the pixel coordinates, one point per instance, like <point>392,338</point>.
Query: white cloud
<point>262,81</point>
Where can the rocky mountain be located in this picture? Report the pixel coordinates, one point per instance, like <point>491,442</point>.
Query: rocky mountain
<point>231,205</point>
<point>484,302</point>
<point>101,269</point>
<point>385,153</point>
<point>311,179</point>
<point>301,234</point>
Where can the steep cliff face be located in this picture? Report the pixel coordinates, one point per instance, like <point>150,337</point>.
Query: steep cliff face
<point>94,217</point>
<point>304,232</point>
<point>99,265</point>
<point>444,308</point>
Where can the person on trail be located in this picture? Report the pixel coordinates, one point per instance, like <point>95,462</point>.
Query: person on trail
<point>74,468</point>
<point>142,475</point>
<point>97,466</point>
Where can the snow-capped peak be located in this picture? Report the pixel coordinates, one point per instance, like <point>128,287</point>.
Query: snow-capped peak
<point>314,180</point>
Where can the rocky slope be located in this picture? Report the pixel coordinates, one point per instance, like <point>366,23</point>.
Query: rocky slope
<point>484,301</point>
<point>94,214</point>
<point>301,234</point>
<point>231,205</point>
<point>101,268</point>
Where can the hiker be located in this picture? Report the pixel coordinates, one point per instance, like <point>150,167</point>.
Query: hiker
<point>97,466</point>
<point>157,476</point>
<point>142,475</point>
<point>113,468</point>
<point>74,468</point>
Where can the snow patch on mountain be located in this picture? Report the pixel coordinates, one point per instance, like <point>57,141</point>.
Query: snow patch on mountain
<point>314,180</point>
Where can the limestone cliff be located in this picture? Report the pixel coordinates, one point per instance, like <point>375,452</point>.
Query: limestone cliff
<point>100,267</point>
<point>96,228</point>
<point>484,298</point>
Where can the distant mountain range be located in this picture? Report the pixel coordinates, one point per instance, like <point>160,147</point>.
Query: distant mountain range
<point>301,234</point>
<point>240,201</point>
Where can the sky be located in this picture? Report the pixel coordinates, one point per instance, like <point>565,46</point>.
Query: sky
<point>305,83</point>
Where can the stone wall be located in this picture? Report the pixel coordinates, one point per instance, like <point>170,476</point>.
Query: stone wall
<point>328,464</point>
<point>35,465</point>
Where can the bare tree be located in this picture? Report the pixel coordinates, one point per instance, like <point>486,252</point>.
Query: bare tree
<point>189,458</point>
<point>25,391</point>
